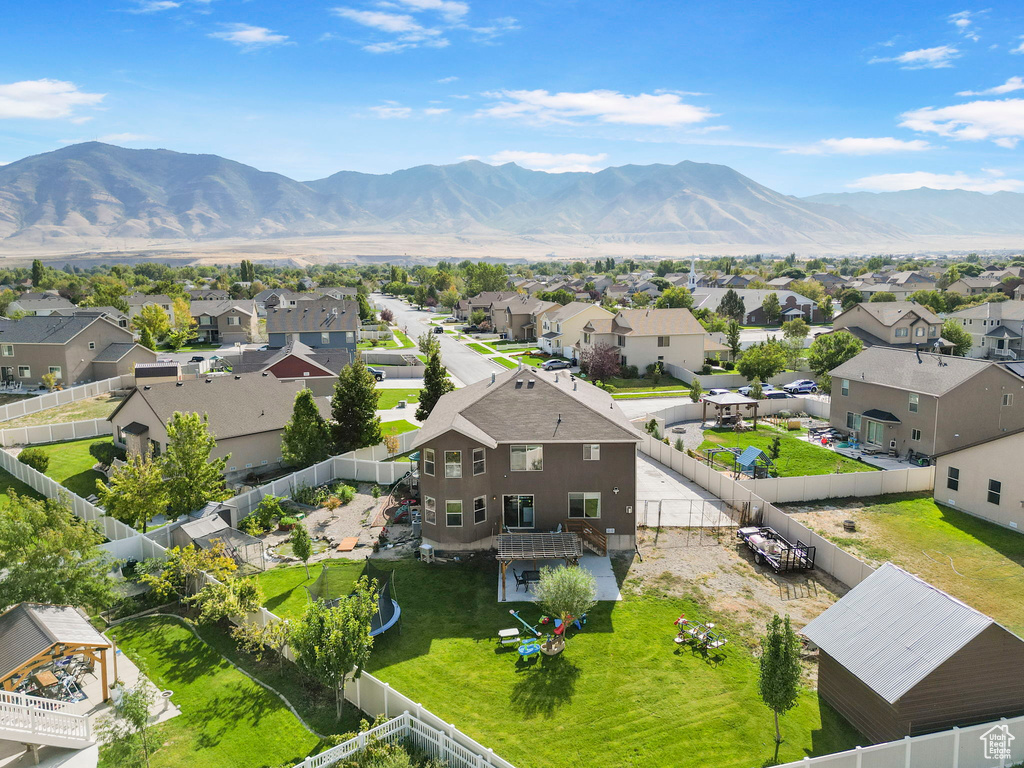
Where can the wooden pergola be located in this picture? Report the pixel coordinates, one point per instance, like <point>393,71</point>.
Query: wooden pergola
<point>33,635</point>
<point>726,402</point>
<point>537,546</point>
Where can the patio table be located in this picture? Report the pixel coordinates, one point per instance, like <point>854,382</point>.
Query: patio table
<point>532,577</point>
<point>45,678</point>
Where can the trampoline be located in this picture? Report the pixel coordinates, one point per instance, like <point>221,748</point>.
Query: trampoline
<point>388,610</point>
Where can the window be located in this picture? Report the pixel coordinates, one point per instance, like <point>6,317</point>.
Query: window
<point>453,514</point>
<point>527,458</point>
<point>24,372</point>
<point>586,338</point>
<point>205,320</point>
<point>933,331</point>
<point>953,479</point>
<point>249,465</point>
<point>263,462</point>
<point>585,505</point>
<point>233,321</point>
<point>325,338</point>
<point>1008,399</point>
<point>620,340</point>
<point>592,452</point>
<point>428,461</point>
<point>915,434</point>
<point>663,341</point>
<point>7,350</point>
<point>453,463</point>
<point>55,369</point>
<point>876,432</point>
<point>479,461</point>
<point>429,510</point>
<point>480,510</point>
<point>919,331</point>
<point>902,332</point>
<point>853,421</point>
<point>995,490</point>
<point>914,400</point>
<point>517,511</point>
<point>844,387</point>
<point>92,345</point>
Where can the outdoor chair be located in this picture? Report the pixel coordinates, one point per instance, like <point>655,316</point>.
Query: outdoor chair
<point>520,581</point>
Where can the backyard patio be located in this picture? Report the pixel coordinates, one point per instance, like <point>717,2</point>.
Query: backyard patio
<point>522,578</point>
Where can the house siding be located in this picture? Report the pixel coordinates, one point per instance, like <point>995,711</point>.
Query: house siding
<point>74,358</point>
<point>564,471</point>
<point>994,460</point>
<point>858,317</point>
<point>338,340</point>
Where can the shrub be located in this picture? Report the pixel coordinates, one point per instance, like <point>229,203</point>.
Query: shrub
<point>679,444</point>
<point>705,370</point>
<point>728,365</point>
<point>347,493</point>
<point>35,458</point>
<point>251,525</point>
<point>332,503</point>
<point>629,372</point>
<point>105,453</point>
<point>311,497</point>
<point>375,491</point>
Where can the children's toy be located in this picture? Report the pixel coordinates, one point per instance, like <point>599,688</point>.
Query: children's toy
<point>522,621</point>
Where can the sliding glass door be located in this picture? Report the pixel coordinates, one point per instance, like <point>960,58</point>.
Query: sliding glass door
<point>518,511</point>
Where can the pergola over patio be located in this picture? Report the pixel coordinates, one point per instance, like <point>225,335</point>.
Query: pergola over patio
<point>724,404</point>
<point>537,546</point>
<point>33,635</point>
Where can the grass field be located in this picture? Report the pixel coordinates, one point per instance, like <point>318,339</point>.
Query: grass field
<point>71,465</point>
<point>82,410</point>
<point>481,349</point>
<point>643,384</point>
<point>9,483</point>
<point>226,719</point>
<point>619,695</point>
<point>505,362</point>
<point>397,427</point>
<point>796,457</point>
<point>931,540</point>
<point>389,397</point>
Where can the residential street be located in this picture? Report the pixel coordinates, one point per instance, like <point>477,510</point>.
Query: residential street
<point>464,365</point>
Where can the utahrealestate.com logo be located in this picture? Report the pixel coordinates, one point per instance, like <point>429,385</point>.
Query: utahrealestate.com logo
<point>997,740</point>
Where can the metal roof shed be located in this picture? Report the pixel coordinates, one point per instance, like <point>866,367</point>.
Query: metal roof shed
<point>899,657</point>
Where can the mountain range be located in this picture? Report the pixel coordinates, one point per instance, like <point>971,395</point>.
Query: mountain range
<point>96,190</point>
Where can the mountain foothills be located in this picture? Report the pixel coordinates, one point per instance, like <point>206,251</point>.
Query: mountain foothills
<point>99,190</point>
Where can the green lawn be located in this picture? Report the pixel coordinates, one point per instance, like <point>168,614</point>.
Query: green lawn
<point>504,361</point>
<point>397,427</point>
<point>189,348</point>
<point>404,341</point>
<point>655,393</point>
<point>931,540</point>
<point>644,384</point>
<point>226,719</point>
<point>389,397</point>
<point>797,457</point>
<point>9,483</point>
<point>620,695</point>
<point>481,349</point>
<point>71,465</point>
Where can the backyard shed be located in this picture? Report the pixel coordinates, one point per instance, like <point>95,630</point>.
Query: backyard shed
<point>899,657</point>
<point>210,529</point>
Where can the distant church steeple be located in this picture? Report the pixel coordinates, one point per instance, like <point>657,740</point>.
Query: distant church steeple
<point>691,282</point>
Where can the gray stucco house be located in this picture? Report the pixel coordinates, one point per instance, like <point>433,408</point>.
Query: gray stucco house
<point>327,323</point>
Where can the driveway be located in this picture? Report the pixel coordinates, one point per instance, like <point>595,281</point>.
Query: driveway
<point>665,498</point>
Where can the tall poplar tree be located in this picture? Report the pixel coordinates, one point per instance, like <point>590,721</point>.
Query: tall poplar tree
<point>307,437</point>
<point>355,423</point>
<point>435,384</point>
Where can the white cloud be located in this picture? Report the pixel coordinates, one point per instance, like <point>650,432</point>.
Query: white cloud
<point>43,99</point>
<point>939,57</point>
<point>386,22</point>
<point>550,162</point>
<point>964,21</point>
<point>993,181</point>
<point>435,110</point>
<point>415,23</point>
<point>452,11</point>
<point>852,146</point>
<point>664,109</point>
<point>1000,121</point>
<point>1019,48</point>
<point>1013,84</point>
<point>392,111</point>
<point>450,79</point>
<point>154,6</point>
<point>249,37</point>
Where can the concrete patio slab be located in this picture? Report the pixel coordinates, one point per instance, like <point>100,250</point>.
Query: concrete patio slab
<point>600,567</point>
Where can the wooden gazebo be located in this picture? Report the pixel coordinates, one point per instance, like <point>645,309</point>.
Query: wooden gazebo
<point>33,635</point>
<point>724,405</point>
<point>537,546</point>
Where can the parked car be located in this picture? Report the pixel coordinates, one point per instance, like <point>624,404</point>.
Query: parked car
<point>438,329</point>
<point>718,391</point>
<point>765,388</point>
<point>196,359</point>
<point>554,364</point>
<point>471,329</point>
<point>777,394</point>
<point>377,373</point>
<point>801,387</point>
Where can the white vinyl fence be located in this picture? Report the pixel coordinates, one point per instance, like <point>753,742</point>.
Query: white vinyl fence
<point>818,407</point>
<point>55,433</point>
<point>729,380</point>
<point>956,748</point>
<point>63,397</point>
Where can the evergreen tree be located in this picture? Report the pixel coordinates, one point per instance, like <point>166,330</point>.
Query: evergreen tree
<point>731,306</point>
<point>354,409</point>
<point>435,384</point>
<point>779,680</point>
<point>37,273</point>
<point>307,437</point>
<point>193,478</point>
<point>146,338</point>
<point>772,308</point>
<point>732,336</point>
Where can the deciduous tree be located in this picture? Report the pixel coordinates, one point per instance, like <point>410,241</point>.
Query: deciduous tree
<point>302,545</point>
<point>956,334</point>
<point>306,438</point>
<point>183,326</point>
<point>566,592</point>
<point>762,361</point>
<point>731,306</point>
<point>883,296</point>
<point>732,338</point>
<point>674,297</point>
<point>779,678</point>
<point>829,351</point>
<point>193,476</point>
<point>772,308</point>
<point>152,318</point>
<point>355,423</point>
<point>436,384</point>
<point>137,492</point>
<point>600,362</point>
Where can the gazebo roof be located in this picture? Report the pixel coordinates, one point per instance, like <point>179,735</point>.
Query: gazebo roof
<point>29,629</point>
<point>729,398</point>
<point>539,546</point>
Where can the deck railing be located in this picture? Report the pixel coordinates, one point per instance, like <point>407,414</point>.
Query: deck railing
<point>32,719</point>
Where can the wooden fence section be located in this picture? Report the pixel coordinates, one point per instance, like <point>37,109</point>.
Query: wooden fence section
<point>957,748</point>
<point>63,397</point>
<point>55,433</point>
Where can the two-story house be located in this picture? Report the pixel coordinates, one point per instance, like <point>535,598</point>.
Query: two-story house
<point>646,336</point>
<point>974,286</point>
<point>41,304</point>
<point>317,324</point>
<point>570,456</point>
<point>317,368</point>
<point>208,294</point>
<point>483,301</point>
<point>562,327</point>
<point>904,400</point>
<point>793,304</point>
<point>139,300</point>
<point>517,317</point>
<point>226,321</point>
<point>893,324</point>
<point>996,328</point>
<point>77,349</point>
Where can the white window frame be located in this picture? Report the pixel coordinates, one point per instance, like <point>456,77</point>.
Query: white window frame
<point>7,350</point>
<point>57,370</point>
<point>591,451</point>
<point>429,460</point>
<point>913,402</point>
<point>878,428</point>
<point>585,497</point>
<point>92,345</point>
<point>24,372</point>
<point>479,508</point>
<point>664,341</point>
<point>915,435</point>
<point>844,387</point>
<point>1008,398</point>
<point>450,466</point>
<point>528,449</point>
<point>430,510</point>
<point>448,513</point>
<point>482,461</point>
<point>325,338</point>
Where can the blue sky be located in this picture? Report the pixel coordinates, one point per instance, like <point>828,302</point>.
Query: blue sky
<point>803,97</point>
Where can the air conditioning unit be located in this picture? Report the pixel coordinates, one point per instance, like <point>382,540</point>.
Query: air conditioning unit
<point>426,553</point>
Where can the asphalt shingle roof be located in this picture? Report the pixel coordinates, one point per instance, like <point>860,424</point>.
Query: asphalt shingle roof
<point>217,307</point>
<point>28,629</point>
<point>322,316</point>
<point>656,322</point>
<point>927,373</point>
<point>888,313</point>
<point>50,329</point>
<point>114,352</point>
